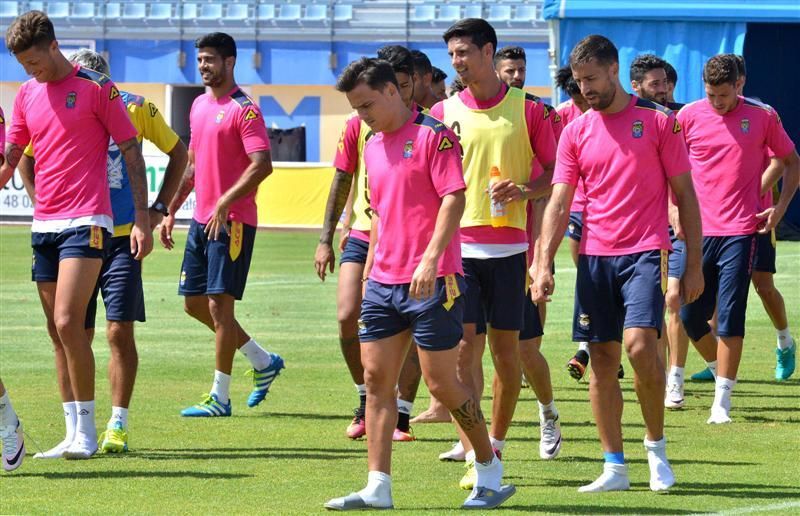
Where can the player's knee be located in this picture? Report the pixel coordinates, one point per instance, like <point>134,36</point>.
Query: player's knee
<point>66,323</point>
<point>347,314</point>
<point>121,340</point>
<point>673,301</point>
<point>764,286</point>
<point>377,382</point>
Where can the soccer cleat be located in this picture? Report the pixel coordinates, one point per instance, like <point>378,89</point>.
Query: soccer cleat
<point>455,454</point>
<point>357,428</point>
<point>550,438</point>
<point>719,416</point>
<point>401,436</point>
<point>467,482</point>
<point>83,447</point>
<point>621,372</point>
<point>56,452</point>
<point>263,378</point>
<point>703,376</point>
<point>577,365</point>
<point>784,365</point>
<point>114,439</point>
<point>674,398</point>
<point>614,478</point>
<point>209,407</point>
<point>352,502</point>
<point>13,446</point>
<point>485,498</point>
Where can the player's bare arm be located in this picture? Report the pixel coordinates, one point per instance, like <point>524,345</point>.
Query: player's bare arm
<point>542,185</point>
<point>13,153</point>
<point>556,218</point>
<point>347,218</point>
<point>259,169</point>
<point>25,167</point>
<point>141,236</point>
<point>178,159</point>
<point>423,281</point>
<point>692,282</point>
<point>185,186</point>
<point>791,178</point>
<point>373,242</point>
<point>771,175</point>
<point>324,257</point>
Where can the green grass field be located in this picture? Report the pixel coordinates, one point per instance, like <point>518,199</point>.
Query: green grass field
<point>290,454</point>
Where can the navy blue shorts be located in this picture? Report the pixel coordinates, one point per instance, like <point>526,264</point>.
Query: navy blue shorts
<point>50,248</point>
<point>764,260</point>
<point>217,266</point>
<point>575,227</point>
<point>677,259</point>
<point>532,323</point>
<point>727,268</point>
<point>355,251</point>
<point>121,283</point>
<point>495,294</point>
<point>435,323</point>
<point>613,293</point>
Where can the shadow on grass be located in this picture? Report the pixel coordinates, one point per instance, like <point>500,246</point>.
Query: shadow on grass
<point>598,460</point>
<point>793,382</point>
<point>248,453</point>
<point>305,415</point>
<point>105,475</point>
<point>735,490</point>
<point>583,508</point>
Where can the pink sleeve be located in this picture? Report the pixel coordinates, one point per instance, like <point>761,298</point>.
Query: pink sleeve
<point>557,122</point>
<point>672,147</point>
<point>567,169</point>
<point>536,170</point>
<point>252,129</point>
<point>444,158</point>
<point>540,131</point>
<point>18,132</point>
<point>2,133</point>
<point>347,149</point>
<point>778,141</point>
<point>437,111</point>
<point>113,115</point>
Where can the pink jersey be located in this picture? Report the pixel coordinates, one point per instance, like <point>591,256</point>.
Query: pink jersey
<point>2,135</point>
<point>727,153</point>
<point>69,122</point>
<point>410,170</point>
<point>347,150</point>
<point>224,132</point>
<point>569,112</point>
<point>624,160</point>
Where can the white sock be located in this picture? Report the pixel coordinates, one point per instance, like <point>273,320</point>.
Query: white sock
<point>362,389</point>
<point>7,415</point>
<point>661,475</point>
<point>405,407</point>
<point>713,367</point>
<point>614,478</point>
<point>258,356</point>
<point>784,338</point>
<point>470,456</point>
<point>583,346</point>
<point>722,393</point>
<point>675,375</point>
<point>118,414</point>
<point>85,419</point>
<point>489,475</point>
<point>221,387</point>
<point>548,411</point>
<point>497,443</point>
<point>70,420</point>
<point>379,489</point>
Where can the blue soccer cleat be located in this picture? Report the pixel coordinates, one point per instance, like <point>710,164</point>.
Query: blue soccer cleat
<point>784,366</point>
<point>209,407</point>
<point>263,378</point>
<point>703,376</point>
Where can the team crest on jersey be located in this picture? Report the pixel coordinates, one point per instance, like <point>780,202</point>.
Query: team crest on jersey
<point>583,320</point>
<point>72,97</point>
<point>408,150</point>
<point>638,129</point>
<point>220,115</point>
<point>745,125</point>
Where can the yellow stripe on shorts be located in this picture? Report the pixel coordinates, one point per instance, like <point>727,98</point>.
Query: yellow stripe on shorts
<point>664,270</point>
<point>237,234</point>
<point>96,237</point>
<point>451,286</point>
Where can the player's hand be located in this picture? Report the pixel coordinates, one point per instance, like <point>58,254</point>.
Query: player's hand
<point>324,259</point>
<point>768,219</point>
<point>141,236</point>
<point>423,282</point>
<point>165,234</point>
<point>218,221</point>
<point>675,222</point>
<point>344,236</point>
<point>692,284</point>
<point>544,284</point>
<point>506,191</point>
<point>155,218</point>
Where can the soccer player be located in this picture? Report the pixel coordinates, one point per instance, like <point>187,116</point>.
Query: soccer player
<point>501,127</point>
<point>229,157</point>
<point>423,80</point>
<point>728,138</point>
<point>121,276</point>
<point>438,86</point>
<point>511,66</point>
<point>414,278</point>
<point>72,221</point>
<point>627,151</point>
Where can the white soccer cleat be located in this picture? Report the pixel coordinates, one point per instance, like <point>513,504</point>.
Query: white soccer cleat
<point>674,398</point>
<point>13,446</point>
<point>661,475</point>
<point>549,438</point>
<point>614,478</point>
<point>455,454</point>
<point>83,447</point>
<point>719,416</point>
<point>56,452</point>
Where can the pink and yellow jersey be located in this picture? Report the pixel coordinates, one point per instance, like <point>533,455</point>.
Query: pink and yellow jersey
<point>569,112</point>
<point>69,123</point>
<point>727,153</point>
<point>624,160</point>
<point>224,132</point>
<point>507,131</point>
<point>349,153</point>
<point>410,170</point>
<point>2,136</point>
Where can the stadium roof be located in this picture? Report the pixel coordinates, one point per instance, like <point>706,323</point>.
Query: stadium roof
<point>676,10</point>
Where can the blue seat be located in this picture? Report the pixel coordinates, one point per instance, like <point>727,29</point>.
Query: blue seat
<point>342,12</point>
<point>210,12</point>
<point>289,12</point>
<point>134,11</point>
<point>499,13</point>
<point>237,12</point>
<point>189,11</point>
<point>449,12</point>
<point>265,12</point>
<point>83,10</point>
<point>473,11</point>
<point>113,11</point>
<point>57,9</point>
<point>525,13</point>
<point>160,11</point>
<point>9,9</point>
<point>36,6</point>
<point>316,12</point>
<point>423,13</point>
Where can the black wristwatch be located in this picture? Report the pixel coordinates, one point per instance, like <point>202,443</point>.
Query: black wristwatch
<point>160,208</point>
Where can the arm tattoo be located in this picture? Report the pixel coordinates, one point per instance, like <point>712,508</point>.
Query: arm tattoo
<point>13,154</point>
<point>340,189</point>
<point>468,415</point>
<point>185,187</point>
<point>136,172</point>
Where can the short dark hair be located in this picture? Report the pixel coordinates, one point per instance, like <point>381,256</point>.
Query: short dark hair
<point>596,47</point>
<point>645,63</point>
<point>479,31</point>
<point>221,42</point>
<point>721,69</point>
<point>399,57</point>
<point>566,82</point>
<point>740,65</point>
<point>510,53</point>
<point>456,86</point>
<point>375,73</point>
<point>422,65</point>
<point>672,73</point>
<point>438,74</point>
<point>32,29</point>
